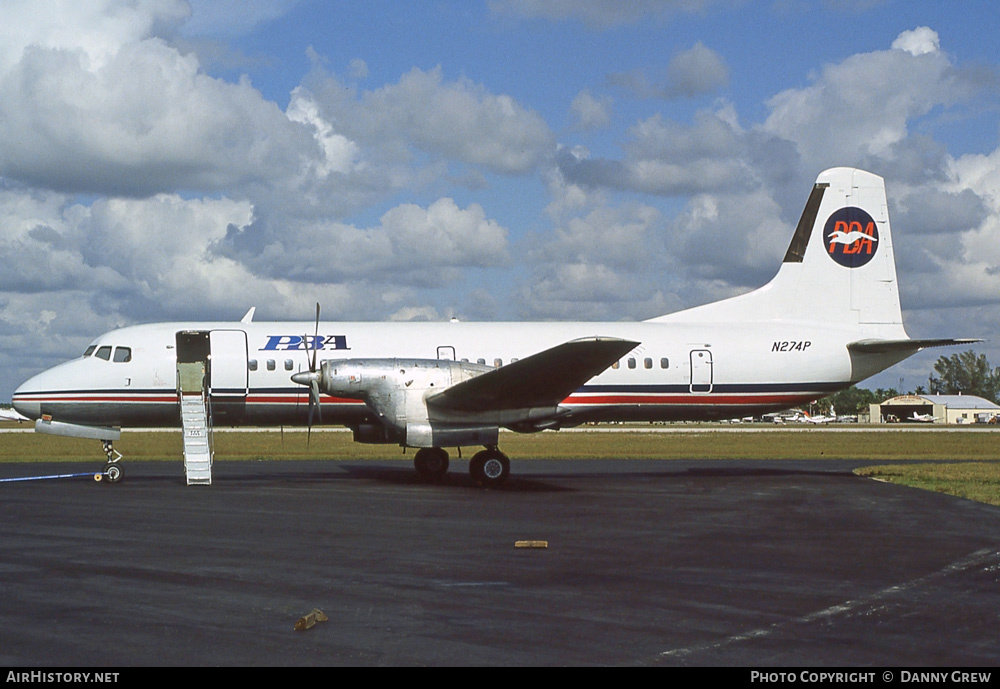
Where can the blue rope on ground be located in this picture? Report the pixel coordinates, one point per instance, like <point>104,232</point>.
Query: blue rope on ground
<point>42,478</point>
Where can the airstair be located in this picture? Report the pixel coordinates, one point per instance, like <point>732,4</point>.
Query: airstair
<point>196,422</point>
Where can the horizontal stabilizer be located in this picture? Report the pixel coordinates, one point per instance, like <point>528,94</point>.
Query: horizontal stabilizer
<point>540,380</point>
<point>887,346</point>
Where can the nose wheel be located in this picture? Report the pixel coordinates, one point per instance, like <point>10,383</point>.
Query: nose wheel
<point>113,473</point>
<point>489,468</point>
<point>112,470</point>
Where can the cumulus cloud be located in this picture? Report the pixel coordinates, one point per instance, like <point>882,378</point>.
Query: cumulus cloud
<point>73,270</point>
<point>958,223</point>
<point>696,71</point>
<point>736,238</point>
<point>597,265</point>
<point>406,135</point>
<point>920,41</point>
<point>591,112</point>
<point>668,159</point>
<point>863,106</point>
<point>460,120</point>
<point>116,110</point>
<point>411,245</point>
<point>340,154</point>
<point>691,73</point>
<point>94,30</point>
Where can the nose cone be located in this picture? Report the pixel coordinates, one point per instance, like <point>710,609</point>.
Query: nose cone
<point>46,388</point>
<point>24,399</point>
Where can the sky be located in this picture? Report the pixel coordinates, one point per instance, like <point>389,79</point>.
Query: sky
<point>485,160</point>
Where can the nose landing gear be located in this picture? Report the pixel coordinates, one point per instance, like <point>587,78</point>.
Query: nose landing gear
<point>112,470</point>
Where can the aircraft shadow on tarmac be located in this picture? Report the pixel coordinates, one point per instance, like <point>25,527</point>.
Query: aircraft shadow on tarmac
<point>550,482</point>
<point>405,476</point>
<point>535,482</point>
<point>528,482</point>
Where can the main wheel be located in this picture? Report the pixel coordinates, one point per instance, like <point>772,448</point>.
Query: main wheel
<point>489,468</point>
<point>431,462</point>
<point>113,471</point>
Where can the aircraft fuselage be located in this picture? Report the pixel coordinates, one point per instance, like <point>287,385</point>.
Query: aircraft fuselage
<point>678,372</point>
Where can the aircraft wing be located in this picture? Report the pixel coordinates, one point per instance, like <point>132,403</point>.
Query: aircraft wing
<point>886,346</point>
<point>540,380</point>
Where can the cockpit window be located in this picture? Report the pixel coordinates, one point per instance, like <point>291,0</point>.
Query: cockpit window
<point>90,350</point>
<point>123,354</point>
<point>104,353</point>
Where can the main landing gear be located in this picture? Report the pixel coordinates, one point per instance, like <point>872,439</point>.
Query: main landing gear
<point>431,463</point>
<point>489,468</point>
<point>112,470</point>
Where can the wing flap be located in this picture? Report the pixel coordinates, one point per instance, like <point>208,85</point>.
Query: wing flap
<point>541,380</point>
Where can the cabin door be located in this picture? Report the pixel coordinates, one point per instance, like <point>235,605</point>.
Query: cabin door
<point>228,376</point>
<point>701,371</point>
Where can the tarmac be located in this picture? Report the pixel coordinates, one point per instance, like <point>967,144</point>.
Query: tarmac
<point>648,563</point>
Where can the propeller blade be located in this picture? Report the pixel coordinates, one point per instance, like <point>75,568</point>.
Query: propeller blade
<point>311,379</point>
<point>314,399</point>
<point>309,426</point>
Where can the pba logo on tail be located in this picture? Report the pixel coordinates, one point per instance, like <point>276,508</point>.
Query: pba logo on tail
<point>850,237</point>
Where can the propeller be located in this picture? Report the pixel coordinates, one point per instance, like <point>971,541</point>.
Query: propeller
<point>311,378</point>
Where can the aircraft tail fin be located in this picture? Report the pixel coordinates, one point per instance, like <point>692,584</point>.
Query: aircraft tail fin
<point>839,267</point>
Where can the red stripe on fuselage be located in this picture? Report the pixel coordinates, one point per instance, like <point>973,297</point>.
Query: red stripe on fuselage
<point>709,399</point>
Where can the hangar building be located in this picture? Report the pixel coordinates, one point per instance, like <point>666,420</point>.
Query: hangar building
<point>936,408</point>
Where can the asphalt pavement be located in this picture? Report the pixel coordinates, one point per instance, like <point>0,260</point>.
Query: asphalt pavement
<point>662,563</point>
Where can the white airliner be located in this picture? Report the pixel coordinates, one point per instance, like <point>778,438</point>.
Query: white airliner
<point>829,319</point>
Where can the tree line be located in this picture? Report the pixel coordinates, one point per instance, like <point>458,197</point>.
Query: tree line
<point>965,373</point>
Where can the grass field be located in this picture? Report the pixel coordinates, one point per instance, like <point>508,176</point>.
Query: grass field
<point>971,466</point>
<point>978,481</point>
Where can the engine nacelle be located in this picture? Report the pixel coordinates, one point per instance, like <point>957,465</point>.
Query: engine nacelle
<point>396,391</point>
<point>359,378</point>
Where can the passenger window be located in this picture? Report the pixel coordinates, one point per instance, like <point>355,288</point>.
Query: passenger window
<point>288,364</point>
<point>270,364</point>
<point>252,364</point>
<point>481,361</point>
<point>616,365</point>
<point>498,363</point>
<point>104,353</point>
<point>664,363</point>
<point>631,362</point>
<point>647,363</point>
<point>123,355</point>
